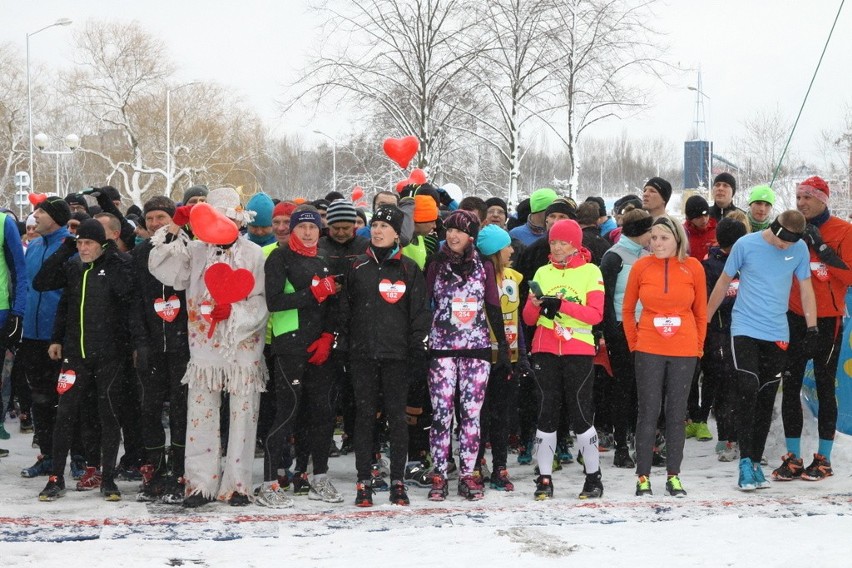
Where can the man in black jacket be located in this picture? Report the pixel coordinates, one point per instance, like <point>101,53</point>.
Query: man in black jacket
<point>99,303</point>
<point>161,365</point>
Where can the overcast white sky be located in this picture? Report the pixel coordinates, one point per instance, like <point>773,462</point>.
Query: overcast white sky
<point>753,55</point>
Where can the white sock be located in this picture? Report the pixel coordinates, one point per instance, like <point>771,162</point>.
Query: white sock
<point>546,442</point>
<point>588,442</point>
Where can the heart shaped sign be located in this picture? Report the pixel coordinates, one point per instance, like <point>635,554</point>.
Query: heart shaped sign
<point>211,226</point>
<point>227,285</point>
<point>401,150</point>
<point>66,380</point>
<point>36,198</point>
<point>167,309</point>
<point>392,292</point>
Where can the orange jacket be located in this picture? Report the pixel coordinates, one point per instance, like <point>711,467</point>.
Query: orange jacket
<point>829,283</point>
<point>674,307</point>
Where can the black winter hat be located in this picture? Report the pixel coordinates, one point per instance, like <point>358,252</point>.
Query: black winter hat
<point>727,178</point>
<point>696,206</point>
<point>561,205</point>
<point>77,199</point>
<point>110,192</point>
<point>663,187</point>
<point>728,231</point>
<point>92,229</point>
<point>464,221</point>
<point>391,215</point>
<point>57,208</point>
<point>497,202</point>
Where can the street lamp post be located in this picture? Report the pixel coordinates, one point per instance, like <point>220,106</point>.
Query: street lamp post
<point>59,22</point>
<point>72,141</point>
<point>333,158</point>
<point>169,135</point>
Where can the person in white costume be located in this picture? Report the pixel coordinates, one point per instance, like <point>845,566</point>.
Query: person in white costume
<point>228,361</point>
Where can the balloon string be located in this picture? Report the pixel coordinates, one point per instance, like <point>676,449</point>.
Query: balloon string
<point>802,108</point>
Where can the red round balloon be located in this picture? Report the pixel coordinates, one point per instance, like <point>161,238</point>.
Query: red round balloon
<point>212,226</point>
<point>417,177</point>
<point>357,193</point>
<point>401,150</point>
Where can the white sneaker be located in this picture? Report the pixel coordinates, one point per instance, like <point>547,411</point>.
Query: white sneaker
<point>271,495</point>
<point>730,453</point>
<point>323,490</point>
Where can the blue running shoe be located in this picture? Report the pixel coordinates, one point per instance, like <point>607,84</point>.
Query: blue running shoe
<point>78,467</point>
<point>760,480</point>
<point>42,466</point>
<point>747,481</point>
<point>525,457</point>
<point>563,454</point>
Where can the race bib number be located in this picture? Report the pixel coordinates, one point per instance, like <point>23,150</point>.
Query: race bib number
<point>167,309</point>
<point>391,292</point>
<point>205,309</point>
<point>667,326</point>
<point>66,380</point>
<point>562,332</point>
<point>463,311</point>
<point>511,335</point>
<point>820,271</point>
<point>733,288</point>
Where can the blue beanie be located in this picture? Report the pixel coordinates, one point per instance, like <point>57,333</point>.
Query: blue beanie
<point>262,205</point>
<point>306,216</point>
<point>492,239</point>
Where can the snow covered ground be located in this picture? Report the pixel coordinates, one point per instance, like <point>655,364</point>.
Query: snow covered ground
<point>715,525</point>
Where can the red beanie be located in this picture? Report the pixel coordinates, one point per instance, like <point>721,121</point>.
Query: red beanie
<point>816,187</point>
<point>567,230</point>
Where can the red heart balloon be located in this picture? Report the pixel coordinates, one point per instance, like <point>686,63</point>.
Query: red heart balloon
<point>211,226</point>
<point>401,150</point>
<point>417,177</point>
<point>36,198</point>
<point>401,184</point>
<point>357,193</point>
<point>227,285</point>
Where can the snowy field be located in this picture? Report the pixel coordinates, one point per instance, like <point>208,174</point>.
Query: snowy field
<point>715,525</point>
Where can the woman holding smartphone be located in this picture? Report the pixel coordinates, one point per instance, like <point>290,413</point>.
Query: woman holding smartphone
<point>566,300</point>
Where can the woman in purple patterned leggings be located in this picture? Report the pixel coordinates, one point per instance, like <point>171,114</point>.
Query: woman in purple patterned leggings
<point>465,299</point>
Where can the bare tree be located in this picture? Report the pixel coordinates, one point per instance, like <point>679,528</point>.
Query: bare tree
<point>606,45</point>
<point>402,59</point>
<point>13,120</point>
<point>516,72</point>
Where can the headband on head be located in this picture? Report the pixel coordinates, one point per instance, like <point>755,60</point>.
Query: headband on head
<point>670,226</point>
<point>637,228</point>
<point>784,234</point>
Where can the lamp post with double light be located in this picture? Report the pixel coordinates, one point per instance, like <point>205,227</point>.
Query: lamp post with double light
<point>333,158</point>
<point>72,142</point>
<point>59,22</point>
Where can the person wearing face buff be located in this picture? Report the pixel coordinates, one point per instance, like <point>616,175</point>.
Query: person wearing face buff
<point>766,262</point>
<point>225,353</point>
<point>566,299</point>
<point>383,286</point>
<point>302,298</point>
<point>466,299</point>
<point>667,340</point>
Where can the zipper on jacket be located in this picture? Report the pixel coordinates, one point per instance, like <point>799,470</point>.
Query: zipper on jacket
<point>666,277</point>
<point>82,308</point>
<point>164,321</point>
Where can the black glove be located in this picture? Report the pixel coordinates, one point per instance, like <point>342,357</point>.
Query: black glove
<point>522,367</point>
<point>444,197</point>
<point>93,191</point>
<point>503,366</point>
<point>550,306</point>
<point>68,247</point>
<point>810,343</point>
<point>11,334</point>
<point>420,350</point>
<point>825,253</point>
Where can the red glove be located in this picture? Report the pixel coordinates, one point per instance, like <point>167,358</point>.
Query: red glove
<point>181,216</point>
<point>220,312</point>
<point>323,289</point>
<point>321,349</point>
